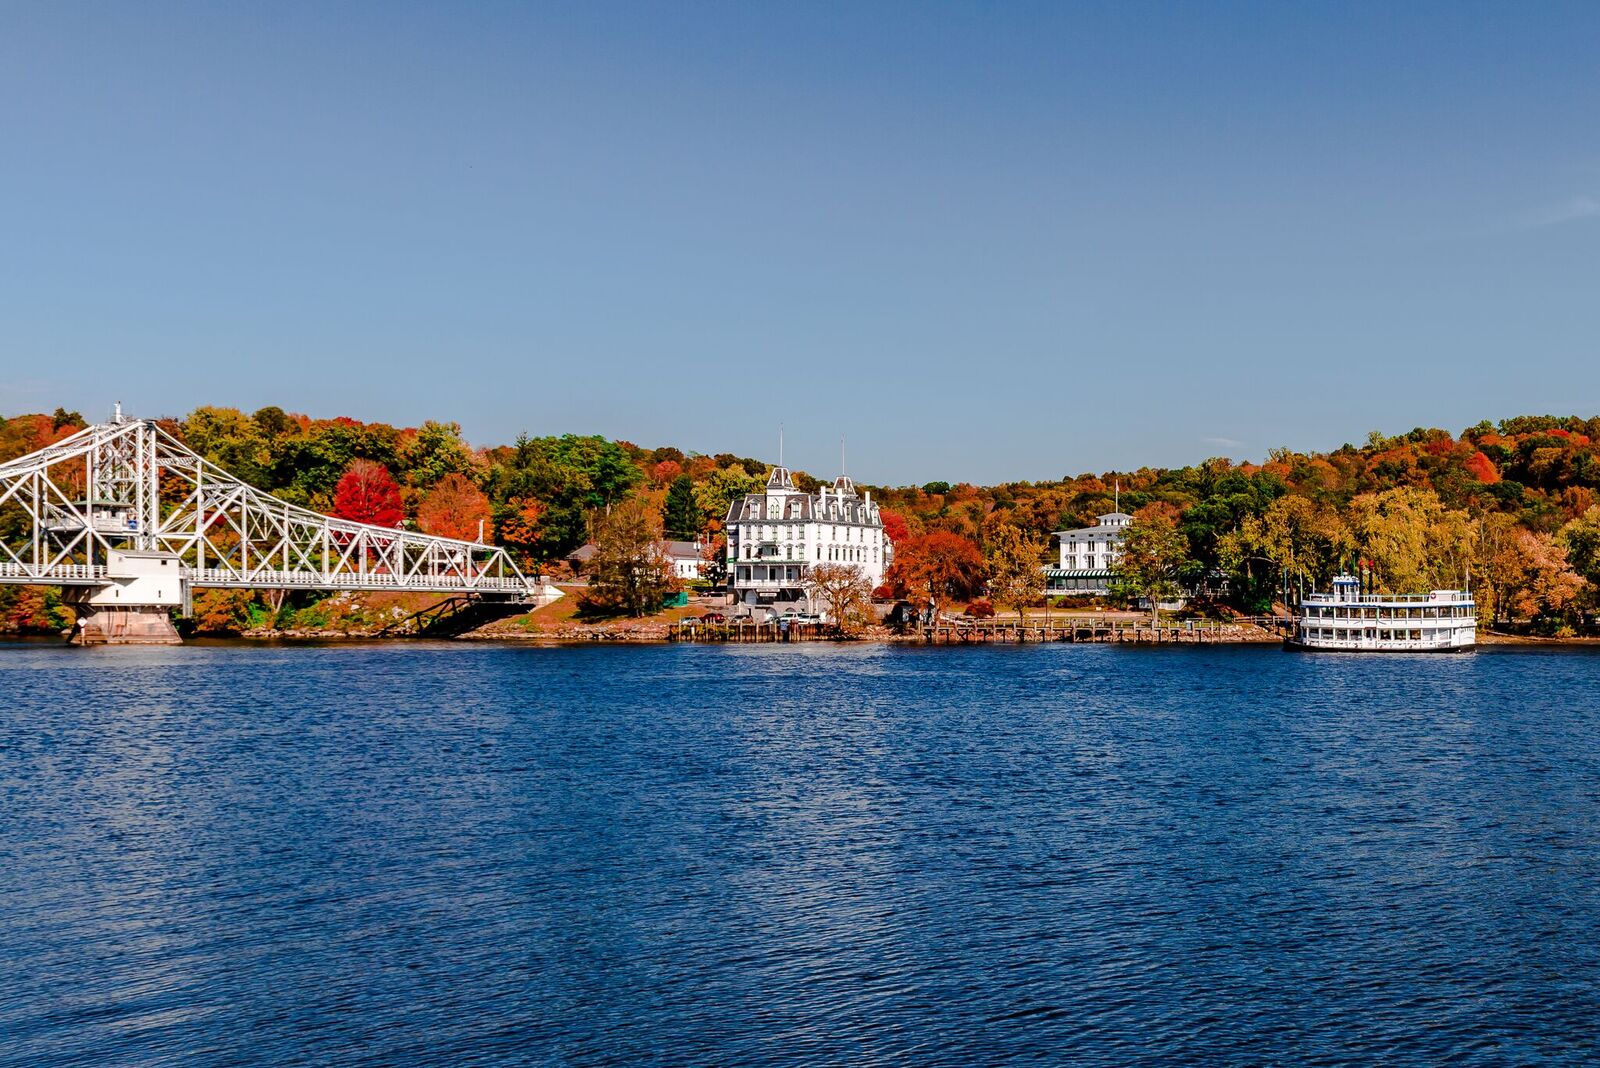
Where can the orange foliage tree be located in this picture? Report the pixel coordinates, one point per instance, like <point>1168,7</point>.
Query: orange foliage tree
<point>454,508</point>
<point>519,523</point>
<point>939,565</point>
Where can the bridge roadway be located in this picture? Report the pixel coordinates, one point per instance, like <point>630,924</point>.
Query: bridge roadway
<point>226,579</point>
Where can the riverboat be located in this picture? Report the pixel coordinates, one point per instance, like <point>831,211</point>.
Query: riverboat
<point>1347,620</point>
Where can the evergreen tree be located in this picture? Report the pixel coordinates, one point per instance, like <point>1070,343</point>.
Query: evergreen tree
<point>682,518</point>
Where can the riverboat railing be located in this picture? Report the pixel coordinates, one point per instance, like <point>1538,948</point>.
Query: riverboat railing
<point>1439,597</point>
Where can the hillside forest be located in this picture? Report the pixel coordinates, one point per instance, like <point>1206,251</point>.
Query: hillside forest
<point>1513,505</point>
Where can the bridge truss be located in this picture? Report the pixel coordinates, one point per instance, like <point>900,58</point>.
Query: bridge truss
<point>72,510</point>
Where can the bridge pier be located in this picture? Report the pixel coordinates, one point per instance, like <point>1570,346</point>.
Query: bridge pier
<point>126,624</point>
<point>134,606</point>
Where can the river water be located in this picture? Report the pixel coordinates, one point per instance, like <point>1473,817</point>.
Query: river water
<point>484,854</point>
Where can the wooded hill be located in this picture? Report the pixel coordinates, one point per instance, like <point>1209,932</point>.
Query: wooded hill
<point>1514,502</point>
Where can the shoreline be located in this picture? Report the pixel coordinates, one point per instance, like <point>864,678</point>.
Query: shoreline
<point>660,634</point>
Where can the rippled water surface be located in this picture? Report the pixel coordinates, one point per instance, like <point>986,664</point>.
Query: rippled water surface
<point>474,854</point>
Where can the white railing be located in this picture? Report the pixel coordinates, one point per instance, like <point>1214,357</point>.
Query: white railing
<point>59,575</point>
<point>225,578</point>
<point>228,578</point>
<point>1441,597</point>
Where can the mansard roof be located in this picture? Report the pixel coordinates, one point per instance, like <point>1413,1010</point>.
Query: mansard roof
<point>781,502</point>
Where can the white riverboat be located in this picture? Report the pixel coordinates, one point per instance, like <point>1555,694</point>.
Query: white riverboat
<point>1443,621</point>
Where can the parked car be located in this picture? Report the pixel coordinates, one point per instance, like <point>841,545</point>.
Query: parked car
<point>713,617</point>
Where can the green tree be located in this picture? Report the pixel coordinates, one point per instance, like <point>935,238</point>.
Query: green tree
<point>682,517</point>
<point>1581,537</point>
<point>436,450</point>
<point>721,488</point>
<point>1154,555</point>
<point>231,440</point>
<point>62,418</point>
<point>570,477</point>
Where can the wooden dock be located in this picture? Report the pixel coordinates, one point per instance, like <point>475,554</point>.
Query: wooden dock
<point>1079,629</point>
<point>745,631</point>
<point>952,631</point>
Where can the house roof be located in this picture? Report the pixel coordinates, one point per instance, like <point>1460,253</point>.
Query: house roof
<point>1102,526</point>
<point>682,550</point>
<point>830,506</point>
<point>583,553</point>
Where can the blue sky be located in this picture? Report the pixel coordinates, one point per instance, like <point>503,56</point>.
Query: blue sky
<point>983,242</point>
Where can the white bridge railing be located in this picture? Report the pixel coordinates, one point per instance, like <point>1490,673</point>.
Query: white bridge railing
<point>220,578</point>
<point>59,575</point>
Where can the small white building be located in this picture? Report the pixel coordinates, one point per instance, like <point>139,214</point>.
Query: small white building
<point>1087,556</point>
<point>687,559</point>
<point>777,535</point>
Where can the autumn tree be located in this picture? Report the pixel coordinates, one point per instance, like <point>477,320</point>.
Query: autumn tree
<point>454,508</point>
<point>1414,542</point>
<point>842,594</point>
<point>1016,576</point>
<point>1154,554</point>
<point>681,518</point>
<point>894,526</point>
<point>630,572</point>
<point>714,559</point>
<point>367,494</point>
<point>938,565</point>
<point>1550,587</point>
<point>1303,542</point>
<point>519,524</point>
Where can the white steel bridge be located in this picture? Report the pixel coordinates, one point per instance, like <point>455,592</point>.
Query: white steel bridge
<point>128,520</point>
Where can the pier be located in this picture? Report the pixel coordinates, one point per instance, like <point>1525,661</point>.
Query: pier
<point>1081,629</point>
<point>951,631</point>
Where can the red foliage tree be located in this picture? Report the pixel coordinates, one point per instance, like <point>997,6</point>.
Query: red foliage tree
<point>665,471</point>
<point>894,526</point>
<point>367,494</point>
<point>454,508</point>
<point>1482,468</point>
<point>937,565</point>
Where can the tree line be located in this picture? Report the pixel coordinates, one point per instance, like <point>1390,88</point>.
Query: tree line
<point>1513,504</point>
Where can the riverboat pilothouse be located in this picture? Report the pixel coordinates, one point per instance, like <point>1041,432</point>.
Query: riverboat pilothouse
<point>1443,621</point>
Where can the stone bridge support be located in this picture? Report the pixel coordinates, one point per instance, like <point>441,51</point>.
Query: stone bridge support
<point>135,606</point>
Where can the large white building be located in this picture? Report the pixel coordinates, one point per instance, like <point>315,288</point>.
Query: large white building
<point>1087,556</point>
<point>776,535</point>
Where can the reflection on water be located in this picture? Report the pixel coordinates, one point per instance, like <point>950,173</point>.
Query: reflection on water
<point>475,854</point>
